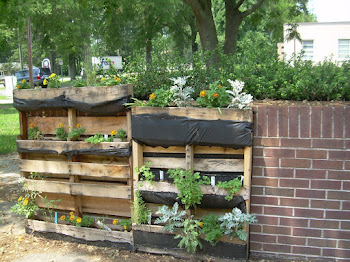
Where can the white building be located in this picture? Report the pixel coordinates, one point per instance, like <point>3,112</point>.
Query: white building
<point>319,41</point>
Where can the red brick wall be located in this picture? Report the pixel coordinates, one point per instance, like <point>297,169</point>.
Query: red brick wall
<point>301,182</point>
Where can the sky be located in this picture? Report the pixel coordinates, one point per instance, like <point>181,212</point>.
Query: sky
<point>330,10</point>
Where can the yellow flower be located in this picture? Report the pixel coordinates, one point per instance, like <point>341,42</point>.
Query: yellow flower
<point>125,227</point>
<point>152,96</point>
<point>63,217</point>
<point>20,238</point>
<point>31,125</point>
<point>102,79</point>
<point>60,125</point>
<point>71,218</point>
<point>25,202</point>
<point>215,95</point>
<point>52,75</point>
<point>45,82</point>
<point>78,220</point>
<point>113,133</point>
<point>18,86</point>
<point>219,86</point>
<point>115,221</point>
<point>71,213</point>
<point>23,81</point>
<point>203,93</point>
<point>117,79</point>
<point>201,224</point>
<point>20,198</point>
<point>78,126</point>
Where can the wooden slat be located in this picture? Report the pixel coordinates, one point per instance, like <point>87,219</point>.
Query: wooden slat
<point>72,119</point>
<point>200,164</point>
<point>60,146</point>
<point>197,150</point>
<point>91,94</point>
<point>137,158</point>
<point>189,157</point>
<point>198,113</point>
<point>75,168</point>
<point>80,189</point>
<point>159,149</point>
<point>23,125</point>
<point>88,234</point>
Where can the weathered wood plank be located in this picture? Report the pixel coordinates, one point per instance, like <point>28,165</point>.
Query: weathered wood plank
<point>198,113</point>
<point>189,157</point>
<point>80,189</point>
<point>75,168</point>
<point>88,234</point>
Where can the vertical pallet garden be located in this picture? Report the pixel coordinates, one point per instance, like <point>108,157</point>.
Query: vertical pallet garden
<point>88,179</point>
<point>215,143</point>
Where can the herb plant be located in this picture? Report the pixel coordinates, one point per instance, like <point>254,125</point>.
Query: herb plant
<point>140,213</point>
<point>172,218</point>
<point>121,134</point>
<point>33,132</point>
<point>60,133</point>
<point>232,187</point>
<point>76,133</point>
<point>144,171</point>
<point>125,223</point>
<point>188,184</point>
<point>211,229</point>
<point>97,138</point>
<point>190,236</point>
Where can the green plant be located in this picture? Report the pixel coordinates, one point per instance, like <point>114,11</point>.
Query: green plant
<point>76,133</point>
<point>23,85</point>
<point>172,218</point>
<point>140,213</point>
<point>97,138</point>
<point>161,97</point>
<point>232,223</point>
<point>79,83</point>
<point>188,184</point>
<point>190,236</point>
<point>60,133</point>
<point>26,204</point>
<point>33,132</point>
<point>125,223</point>
<point>35,175</point>
<point>54,81</point>
<point>211,228</point>
<point>181,94</point>
<point>216,96</point>
<point>110,81</point>
<point>121,134</point>
<point>232,187</point>
<point>144,171</point>
<point>84,221</point>
<point>49,205</point>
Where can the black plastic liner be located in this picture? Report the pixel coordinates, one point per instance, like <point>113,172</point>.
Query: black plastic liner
<point>167,130</point>
<point>21,150</point>
<point>208,201</point>
<point>167,242</point>
<point>120,152</point>
<point>104,108</point>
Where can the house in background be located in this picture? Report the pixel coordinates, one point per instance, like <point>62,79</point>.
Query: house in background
<point>318,41</point>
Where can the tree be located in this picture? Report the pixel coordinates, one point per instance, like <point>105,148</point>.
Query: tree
<point>293,34</point>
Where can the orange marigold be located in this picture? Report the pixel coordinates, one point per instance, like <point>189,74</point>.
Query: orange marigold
<point>113,133</point>
<point>117,79</point>
<point>152,96</point>
<point>215,95</point>
<point>60,125</point>
<point>78,126</point>
<point>78,220</point>
<point>31,125</point>
<point>201,224</point>
<point>115,221</point>
<point>203,93</point>
<point>219,86</point>
<point>125,227</point>
<point>63,217</point>
<point>71,218</point>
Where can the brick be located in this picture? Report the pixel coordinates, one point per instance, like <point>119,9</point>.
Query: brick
<point>283,121</point>
<point>307,232</point>
<point>266,161</point>
<point>339,155</point>
<point>255,121</point>
<point>347,123</point>
<point>257,190</point>
<point>313,154</point>
<point>256,209</point>
<point>341,253</point>
<point>296,163</point>
<point>265,181</point>
<point>255,228</point>
<point>319,223</point>
<point>339,195</point>
<point>279,211</point>
<point>257,171</point>
<point>341,215</point>
<point>346,185</point>
<point>258,151</point>
<point>262,238</point>
<point>328,143</point>
<point>277,248</point>
<point>339,175</point>
<point>294,202</point>
<point>324,204</point>
<point>312,213</point>
<point>277,152</point>
<point>266,141</point>
<point>294,183</point>
<point>344,244</point>
<point>255,246</point>
<point>317,242</point>
<point>338,121</point>
<point>296,142</point>
<point>279,192</point>
<point>277,230</point>
<point>327,164</point>
<point>347,165</point>
<point>311,174</point>
<point>337,234</point>
<point>293,222</point>
<point>346,205</point>
<point>278,172</point>
<point>306,250</point>
<point>325,184</point>
<point>264,200</point>
<point>304,128</point>
<point>291,240</point>
<point>316,121</point>
<point>318,194</point>
<point>267,220</point>
<point>293,121</point>
<point>327,121</point>
<point>345,225</point>
<point>272,120</point>
<point>262,121</point>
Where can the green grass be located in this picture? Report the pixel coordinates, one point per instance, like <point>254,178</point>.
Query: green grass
<point>9,128</point>
<point>3,98</point>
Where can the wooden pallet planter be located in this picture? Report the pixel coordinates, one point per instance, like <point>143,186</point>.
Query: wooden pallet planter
<point>220,162</point>
<point>87,178</point>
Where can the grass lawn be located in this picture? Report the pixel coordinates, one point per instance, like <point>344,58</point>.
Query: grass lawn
<point>9,128</point>
<point>3,97</point>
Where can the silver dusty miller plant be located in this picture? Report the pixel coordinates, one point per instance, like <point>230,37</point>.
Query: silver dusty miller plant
<point>181,94</point>
<point>172,218</point>
<point>239,100</point>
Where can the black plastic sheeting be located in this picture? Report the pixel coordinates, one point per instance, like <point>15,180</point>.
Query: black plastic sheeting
<point>103,108</point>
<point>208,201</point>
<point>167,130</point>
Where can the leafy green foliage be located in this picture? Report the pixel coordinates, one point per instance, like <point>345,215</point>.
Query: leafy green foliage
<point>188,184</point>
<point>26,205</point>
<point>76,133</point>
<point>54,81</point>
<point>121,134</point>
<point>79,83</point>
<point>211,229</point>
<point>140,213</point>
<point>33,132</point>
<point>232,187</point>
<point>84,221</point>
<point>172,218</point>
<point>181,93</point>
<point>190,236</point>
<point>98,138</point>
<point>110,81</point>
<point>61,133</point>
<point>216,96</point>
<point>125,223</point>
<point>160,97</point>
<point>144,171</point>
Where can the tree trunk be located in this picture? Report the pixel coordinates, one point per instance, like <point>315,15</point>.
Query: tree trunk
<point>233,22</point>
<point>149,49</point>
<point>72,67</point>
<point>194,32</point>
